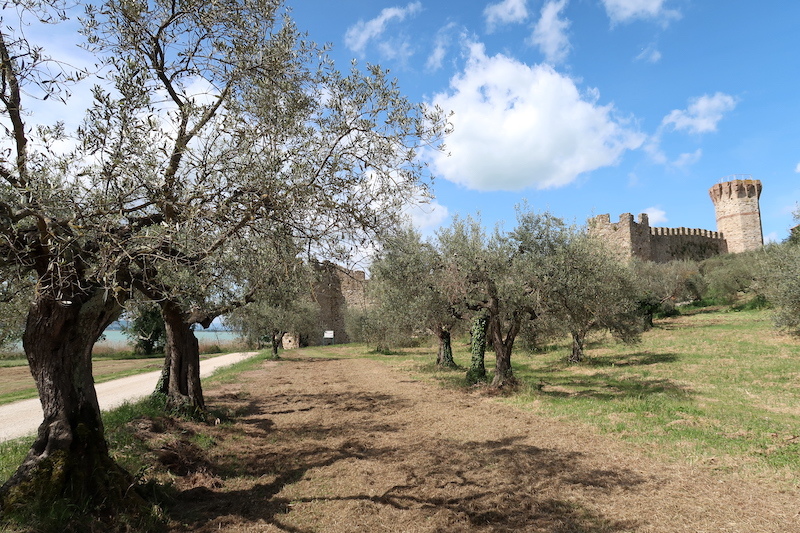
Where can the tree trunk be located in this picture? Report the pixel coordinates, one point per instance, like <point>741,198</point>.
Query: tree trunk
<point>477,367</point>
<point>577,347</point>
<point>503,375</point>
<point>181,374</point>
<point>277,337</point>
<point>445,356</point>
<point>68,466</point>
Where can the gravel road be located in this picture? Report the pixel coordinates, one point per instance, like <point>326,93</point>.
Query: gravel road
<point>23,418</point>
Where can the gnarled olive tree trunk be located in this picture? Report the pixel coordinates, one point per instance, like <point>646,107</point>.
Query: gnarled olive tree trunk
<point>578,340</point>
<point>180,377</point>
<point>503,345</point>
<point>277,338</point>
<point>69,462</point>
<point>444,358</point>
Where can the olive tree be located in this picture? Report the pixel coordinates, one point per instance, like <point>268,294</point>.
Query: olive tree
<point>283,305</point>
<point>216,125</point>
<point>282,138</point>
<point>779,277</point>
<point>407,284</point>
<point>587,288</point>
<point>492,275</point>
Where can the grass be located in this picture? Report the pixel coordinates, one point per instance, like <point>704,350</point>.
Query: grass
<point>710,386</point>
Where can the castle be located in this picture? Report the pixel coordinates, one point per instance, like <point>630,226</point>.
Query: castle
<point>738,228</point>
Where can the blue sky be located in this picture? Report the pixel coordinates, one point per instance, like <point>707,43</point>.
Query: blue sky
<point>585,107</point>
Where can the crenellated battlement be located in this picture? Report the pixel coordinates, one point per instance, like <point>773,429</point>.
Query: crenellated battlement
<point>638,239</point>
<point>738,228</point>
<point>690,232</point>
<point>743,186</point>
<point>738,213</point>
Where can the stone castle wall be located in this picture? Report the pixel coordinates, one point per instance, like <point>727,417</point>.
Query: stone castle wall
<point>335,290</point>
<point>738,228</point>
<point>638,239</point>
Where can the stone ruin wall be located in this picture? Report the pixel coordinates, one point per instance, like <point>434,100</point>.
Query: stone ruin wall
<point>638,239</point>
<point>335,290</point>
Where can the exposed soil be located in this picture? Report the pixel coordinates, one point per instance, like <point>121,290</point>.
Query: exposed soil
<point>352,445</point>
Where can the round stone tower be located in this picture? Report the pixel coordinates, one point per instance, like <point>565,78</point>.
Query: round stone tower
<point>738,213</point>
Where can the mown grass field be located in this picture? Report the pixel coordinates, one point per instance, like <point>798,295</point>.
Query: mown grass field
<point>713,391</point>
<point>712,386</point>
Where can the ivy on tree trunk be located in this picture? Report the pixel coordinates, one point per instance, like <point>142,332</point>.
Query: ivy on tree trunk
<point>477,368</point>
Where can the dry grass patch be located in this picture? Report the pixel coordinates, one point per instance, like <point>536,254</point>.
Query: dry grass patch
<point>341,445</point>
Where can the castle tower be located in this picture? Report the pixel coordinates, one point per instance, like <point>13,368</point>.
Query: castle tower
<point>738,213</point>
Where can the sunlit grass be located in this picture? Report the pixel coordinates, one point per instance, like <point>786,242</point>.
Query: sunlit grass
<point>715,387</point>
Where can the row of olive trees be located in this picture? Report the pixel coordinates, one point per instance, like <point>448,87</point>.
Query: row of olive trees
<point>544,276</point>
<point>218,143</point>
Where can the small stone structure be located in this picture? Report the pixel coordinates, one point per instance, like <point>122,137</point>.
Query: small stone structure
<point>738,228</point>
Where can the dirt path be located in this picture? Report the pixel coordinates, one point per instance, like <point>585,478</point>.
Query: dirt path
<point>355,446</point>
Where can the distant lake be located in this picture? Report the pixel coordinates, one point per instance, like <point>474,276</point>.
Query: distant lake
<point>115,337</point>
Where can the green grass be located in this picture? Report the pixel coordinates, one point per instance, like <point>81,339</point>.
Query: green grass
<point>228,374</point>
<point>714,387</point>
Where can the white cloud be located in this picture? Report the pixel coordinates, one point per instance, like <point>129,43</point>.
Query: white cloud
<point>427,216</point>
<point>688,159</point>
<point>628,10</point>
<point>797,168</point>
<point>655,215</point>
<point>550,33</point>
<point>441,44</point>
<point>505,12</point>
<point>358,35</point>
<point>703,113</point>
<point>517,126</point>
<point>650,54</point>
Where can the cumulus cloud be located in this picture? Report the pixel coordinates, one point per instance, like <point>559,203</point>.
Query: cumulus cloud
<point>655,215</point>
<point>703,113</point>
<point>628,10</point>
<point>518,126</point>
<point>505,12</point>
<point>797,168</point>
<point>358,35</point>
<point>550,33</point>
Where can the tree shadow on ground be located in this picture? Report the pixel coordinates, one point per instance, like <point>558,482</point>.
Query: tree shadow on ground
<point>431,485</point>
<point>559,379</point>
<point>610,387</point>
<point>616,360</point>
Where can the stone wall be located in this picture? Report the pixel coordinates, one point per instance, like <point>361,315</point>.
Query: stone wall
<point>738,228</point>
<point>336,290</point>
<point>638,239</point>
